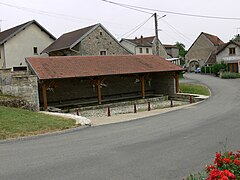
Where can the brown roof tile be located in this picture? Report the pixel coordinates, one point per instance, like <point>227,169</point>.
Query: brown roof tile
<point>85,66</point>
<point>214,39</point>
<point>68,39</point>
<point>142,41</point>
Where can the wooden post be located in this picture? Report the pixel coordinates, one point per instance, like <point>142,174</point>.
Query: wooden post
<point>44,92</point>
<point>99,91</point>
<point>143,85</point>
<point>177,82</point>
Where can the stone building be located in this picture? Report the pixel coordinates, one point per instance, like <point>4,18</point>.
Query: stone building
<point>229,54</point>
<point>202,51</point>
<point>21,41</point>
<point>89,41</point>
<point>144,45</point>
<point>70,80</point>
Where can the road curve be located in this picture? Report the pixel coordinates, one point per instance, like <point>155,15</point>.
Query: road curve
<point>167,146</point>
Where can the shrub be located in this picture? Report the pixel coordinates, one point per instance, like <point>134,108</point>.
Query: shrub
<point>226,167</point>
<point>206,69</point>
<point>217,67</point>
<point>228,75</point>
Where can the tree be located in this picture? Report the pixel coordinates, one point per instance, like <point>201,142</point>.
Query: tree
<point>181,47</point>
<point>236,38</point>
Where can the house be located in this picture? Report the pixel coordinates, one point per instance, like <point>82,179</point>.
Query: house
<point>202,51</point>
<point>89,41</point>
<point>144,45</point>
<point>172,50</point>
<point>21,41</point>
<point>229,54</point>
<point>97,79</point>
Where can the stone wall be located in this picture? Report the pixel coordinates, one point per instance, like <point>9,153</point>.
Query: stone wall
<point>75,91</point>
<point>164,83</point>
<point>20,84</point>
<point>98,40</point>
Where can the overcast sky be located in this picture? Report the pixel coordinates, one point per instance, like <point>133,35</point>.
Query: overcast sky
<point>61,16</point>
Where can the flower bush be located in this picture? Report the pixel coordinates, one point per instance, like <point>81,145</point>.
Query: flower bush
<point>226,167</point>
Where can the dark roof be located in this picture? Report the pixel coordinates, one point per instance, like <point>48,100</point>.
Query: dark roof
<point>213,56</point>
<point>142,41</point>
<point>89,66</point>
<point>68,39</point>
<point>9,33</point>
<point>169,46</point>
<point>214,39</point>
<point>223,46</point>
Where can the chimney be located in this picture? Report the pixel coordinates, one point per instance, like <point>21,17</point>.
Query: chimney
<point>141,40</point>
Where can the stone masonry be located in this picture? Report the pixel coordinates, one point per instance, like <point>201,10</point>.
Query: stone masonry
<point>20,84</point>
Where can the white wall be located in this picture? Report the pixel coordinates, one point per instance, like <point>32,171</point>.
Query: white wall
<point>128,45</point>
<point>144,50</point>
<point>224,55</point>
<point>21,45</point>
<point>1,57</point>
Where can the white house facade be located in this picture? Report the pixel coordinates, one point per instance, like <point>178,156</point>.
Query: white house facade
<point>22,41</point>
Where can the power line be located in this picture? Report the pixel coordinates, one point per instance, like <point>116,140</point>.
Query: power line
<point>136,28</point>
<point>172,12</point>
<point>185,37</point>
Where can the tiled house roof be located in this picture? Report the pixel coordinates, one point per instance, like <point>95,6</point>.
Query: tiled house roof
<point>8,34</point>
<point>214,39</point>
<point>142,41</point>
<point>222,47</point>
<point>89,66</point>
<point>69,39</point>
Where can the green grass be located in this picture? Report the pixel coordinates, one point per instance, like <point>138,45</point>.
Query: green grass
<point>194,89</point>
<point>16,122</point>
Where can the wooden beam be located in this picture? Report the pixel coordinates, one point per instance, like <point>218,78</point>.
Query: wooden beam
<point>44,92</point>
<point>142,85</point>
<point>177,82</point>
<point>99,91</point>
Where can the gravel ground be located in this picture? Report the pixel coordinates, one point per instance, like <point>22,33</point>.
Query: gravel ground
<point>103,112</point>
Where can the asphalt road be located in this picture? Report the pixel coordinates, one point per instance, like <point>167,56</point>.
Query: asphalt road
<point>167,146</point>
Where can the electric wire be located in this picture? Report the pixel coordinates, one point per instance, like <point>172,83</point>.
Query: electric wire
<point>172,12</point>
<point>136,28</point>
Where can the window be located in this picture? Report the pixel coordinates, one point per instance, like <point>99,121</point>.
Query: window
<point>232,51</point>
<point>35,50</point>
<point>100,33</point>
<point>102,53</point>
<point>140,50</point>
<point>147,50</point>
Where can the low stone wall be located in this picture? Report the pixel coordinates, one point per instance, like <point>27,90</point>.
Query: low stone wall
<point>20,84</point>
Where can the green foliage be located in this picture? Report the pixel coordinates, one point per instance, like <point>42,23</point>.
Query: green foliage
<point>217,67</point>
<point>206,69</point>
<point>228,75</point>
<point>181,47</point>
<point>194,89</point>
<point>236,38</point>
<point>16,122</point>
<point>197,176</point>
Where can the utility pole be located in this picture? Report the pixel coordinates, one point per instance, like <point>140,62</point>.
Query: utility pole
<point>156,35</point>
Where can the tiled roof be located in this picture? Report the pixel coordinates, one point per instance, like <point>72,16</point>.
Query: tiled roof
<point>223,46</point>
<point>68,39</point>
<point>169,46</point>
<point>9,33</point>
<point>142,41</point>
<point>86,66</point>
<point>214,39</point>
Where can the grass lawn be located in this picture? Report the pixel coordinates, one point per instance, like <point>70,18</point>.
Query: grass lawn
<point>16,122</point>
<point>194,89</point>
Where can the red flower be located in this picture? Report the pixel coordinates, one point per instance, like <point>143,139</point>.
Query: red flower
<point>230,153</point>
<point>237,162</point>
<point>224,178</point>
<point>227,160</point>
